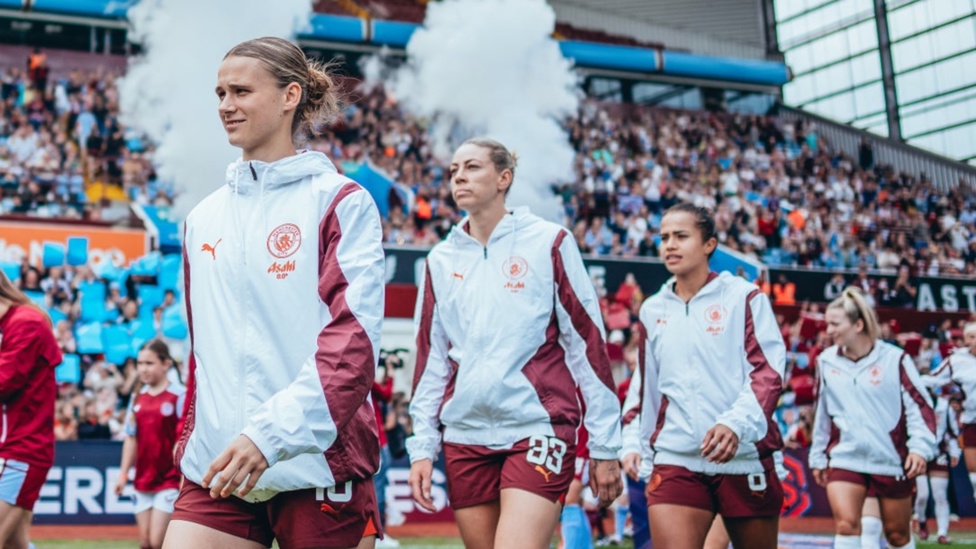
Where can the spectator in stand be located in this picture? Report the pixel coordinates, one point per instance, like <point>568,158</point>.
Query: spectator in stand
<point>151,426</point>
<point>65,423</point>
<point>833,289</point>
<point>93,425</point>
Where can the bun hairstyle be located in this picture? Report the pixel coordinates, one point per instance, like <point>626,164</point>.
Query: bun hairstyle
<point>321,98</point>
<point>704,220</point>
<point>856,307</point>
<point>500,156</point>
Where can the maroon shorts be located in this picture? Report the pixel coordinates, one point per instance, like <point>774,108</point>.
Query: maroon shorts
<point>541,465</point>
<point>938,465</point>
<point>334,517</point>
<point>881,486</point>
<point>969,435</point>
<point>20,483</point>
<point>732,496</point>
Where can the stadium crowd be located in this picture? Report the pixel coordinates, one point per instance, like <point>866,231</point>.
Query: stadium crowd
<point>779,194</point>
<point>63,151</point>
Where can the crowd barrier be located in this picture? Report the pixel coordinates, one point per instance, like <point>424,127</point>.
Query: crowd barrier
<point>80,489</point>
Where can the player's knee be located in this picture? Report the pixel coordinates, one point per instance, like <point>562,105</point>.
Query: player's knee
<point>898,538</point>
<point>846,527</point>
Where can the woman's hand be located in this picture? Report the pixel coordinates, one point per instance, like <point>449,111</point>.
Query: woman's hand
<point>420,474</point>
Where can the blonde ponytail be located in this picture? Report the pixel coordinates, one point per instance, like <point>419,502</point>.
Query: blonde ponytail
<point>855,307</point>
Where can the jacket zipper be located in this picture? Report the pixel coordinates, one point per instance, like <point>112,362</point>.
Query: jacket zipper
<point>3,432</point>
<point>242,369</point>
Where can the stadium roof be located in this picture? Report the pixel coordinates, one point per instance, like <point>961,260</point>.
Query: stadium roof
<point>701,26</point>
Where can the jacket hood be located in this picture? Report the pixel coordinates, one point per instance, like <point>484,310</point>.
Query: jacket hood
<point>244,177</point>
<point>714,283</point>
<point>516,217</point>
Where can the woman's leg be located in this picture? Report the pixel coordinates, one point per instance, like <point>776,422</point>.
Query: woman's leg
<point>846,503</point>
<point>478,524</point>
<point>142,522</point>
<point>940,495</point>
<point>181,534</point>
<point>14,526</point>
<point>574,524</point>
<point>527,520</point>
<point>718,536</point>
<point>870,524</point>
<point>678,526</point>
<point>158,521</point>
<point>753,532</point>
<point>896,515</point>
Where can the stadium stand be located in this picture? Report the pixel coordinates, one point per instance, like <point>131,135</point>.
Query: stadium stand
<point>781,194</point>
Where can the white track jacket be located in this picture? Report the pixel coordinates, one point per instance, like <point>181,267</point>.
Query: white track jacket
<point>959,368</point>
<point>505,334</point>
<point>871,413</point>
<point>284,276</point>
<point>718,358</point>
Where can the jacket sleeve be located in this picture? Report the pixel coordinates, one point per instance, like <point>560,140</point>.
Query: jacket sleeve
<point>335,380</point>
<point>630,431</point>
<point>919,414</point>
<point>432,374</point>
<point>582,335</point>
<point>652,403</point>
<point>822,425</point>
<point>940,376</point>
<point>952,433</point>
<point>24,342</point>
<point>751,415</point>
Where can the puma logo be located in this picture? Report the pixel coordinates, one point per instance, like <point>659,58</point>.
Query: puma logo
<point>330,510</point>
<point>544,472</point>
<point>459,275</point>
<point>212,249</point>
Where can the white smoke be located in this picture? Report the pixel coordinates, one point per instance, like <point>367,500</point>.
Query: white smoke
<point>491,67</point>
<point>168,92</point>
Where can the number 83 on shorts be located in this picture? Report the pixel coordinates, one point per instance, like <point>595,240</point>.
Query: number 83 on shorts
<point>546,452</point>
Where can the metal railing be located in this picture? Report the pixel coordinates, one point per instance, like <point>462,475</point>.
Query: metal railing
<point>944,172</point>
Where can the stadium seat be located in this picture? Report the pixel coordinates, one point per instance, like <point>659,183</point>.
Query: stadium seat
<point>140,332</point>
<point>56,315</point>
<point>70,369</point>
<point>89,338</point>
<point>53,255</point>
<point>147,265</point>
<point>38,298</point>
<point>169,272</point>
<point>77,250</point>
<point>92,302</point>
<point>116,344</point>
<point>12,270</point>
<point>150,297</point>
<point>174,327</point>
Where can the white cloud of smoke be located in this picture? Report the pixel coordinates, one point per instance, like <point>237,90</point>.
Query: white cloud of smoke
<point>168,92</point>
<point>490,67</point>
